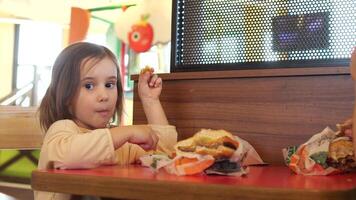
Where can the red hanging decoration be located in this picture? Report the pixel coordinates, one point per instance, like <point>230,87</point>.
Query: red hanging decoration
<point>141,35</point>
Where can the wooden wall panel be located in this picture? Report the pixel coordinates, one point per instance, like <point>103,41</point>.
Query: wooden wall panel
<point>269,112</point>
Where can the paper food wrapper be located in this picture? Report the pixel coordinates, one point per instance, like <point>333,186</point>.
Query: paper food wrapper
<point>190,163</point>
<point>311,157</point>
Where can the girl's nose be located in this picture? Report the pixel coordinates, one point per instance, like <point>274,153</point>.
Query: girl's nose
<point>102,95</point>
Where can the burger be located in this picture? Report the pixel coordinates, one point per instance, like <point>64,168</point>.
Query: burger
<point>218,143</point>
<point>341,153</point>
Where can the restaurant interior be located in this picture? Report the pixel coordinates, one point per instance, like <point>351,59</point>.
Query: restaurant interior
<point>273,73</point>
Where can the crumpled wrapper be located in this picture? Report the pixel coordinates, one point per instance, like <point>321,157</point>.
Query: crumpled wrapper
<point>311,157</point>
<point>189,163</point>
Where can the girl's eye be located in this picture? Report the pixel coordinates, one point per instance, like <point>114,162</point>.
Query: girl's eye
<point>110,85</point>
<point>89,86</point>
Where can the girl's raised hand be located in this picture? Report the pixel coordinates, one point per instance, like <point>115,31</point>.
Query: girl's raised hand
<point>149,90</point>
<point>149,86</point>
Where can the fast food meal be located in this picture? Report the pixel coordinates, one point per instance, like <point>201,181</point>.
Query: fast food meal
<point>214,148</point>
<point>209,151</point>
<point>341,154</point>
<point>147,69</point>
<point>325,153</point>
<point>217,143</point>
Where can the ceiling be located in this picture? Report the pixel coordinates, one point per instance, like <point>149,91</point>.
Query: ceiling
<point>56,11</point>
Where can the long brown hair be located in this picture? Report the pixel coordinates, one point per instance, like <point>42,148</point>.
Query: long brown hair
<point>66,78</point>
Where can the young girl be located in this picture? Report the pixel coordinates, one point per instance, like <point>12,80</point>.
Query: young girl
<point>84,95</point>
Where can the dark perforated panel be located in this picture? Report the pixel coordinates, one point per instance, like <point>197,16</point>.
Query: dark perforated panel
<point>251,33</point>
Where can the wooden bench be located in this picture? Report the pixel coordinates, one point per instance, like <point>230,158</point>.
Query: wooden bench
<point>271,108</point>
<point>19,130</point>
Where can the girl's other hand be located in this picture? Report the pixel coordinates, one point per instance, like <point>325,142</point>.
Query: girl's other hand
<point>142,135</point>
<point>149,86</point>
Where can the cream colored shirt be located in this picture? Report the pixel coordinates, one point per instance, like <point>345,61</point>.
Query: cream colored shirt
<point>67,146</point>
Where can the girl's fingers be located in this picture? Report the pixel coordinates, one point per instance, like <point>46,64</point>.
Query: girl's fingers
<point>151,143</point>
<point>348,132</point>
<point>152,79</point>
<point>143,80</point>
<point>155,80</point>
<point>155,140</point>
<point>146,147</point>
<point>145,77</point>
<point>158,82</point>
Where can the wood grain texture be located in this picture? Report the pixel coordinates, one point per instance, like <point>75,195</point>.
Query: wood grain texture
<point>11,193</point>
<point>270,112</point>
<point>300,71</point>
<point>135,182</point>
<point>19,128</point>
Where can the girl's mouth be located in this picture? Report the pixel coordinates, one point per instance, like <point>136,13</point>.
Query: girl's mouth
<point>103,113</point>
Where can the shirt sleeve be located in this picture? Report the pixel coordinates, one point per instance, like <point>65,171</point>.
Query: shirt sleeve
<point>69,149</point>
<point>167,138</point>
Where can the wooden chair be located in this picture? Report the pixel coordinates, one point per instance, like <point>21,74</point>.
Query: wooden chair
<point>19,130</point>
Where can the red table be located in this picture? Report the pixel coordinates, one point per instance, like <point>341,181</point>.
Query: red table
<point>136,182</point>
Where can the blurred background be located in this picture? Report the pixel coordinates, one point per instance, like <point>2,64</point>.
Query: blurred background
<point>33,32</point>
<point>208,35</point>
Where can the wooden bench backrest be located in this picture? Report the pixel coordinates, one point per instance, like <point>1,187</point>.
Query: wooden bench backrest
<point>19,128</point>
<point>270,109</point>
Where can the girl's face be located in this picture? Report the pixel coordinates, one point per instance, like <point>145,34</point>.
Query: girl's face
<point>94,103</point>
